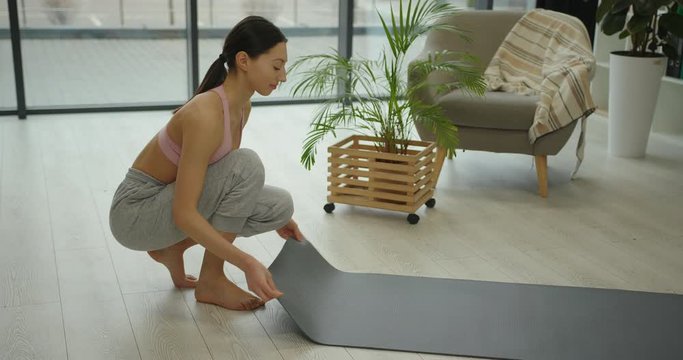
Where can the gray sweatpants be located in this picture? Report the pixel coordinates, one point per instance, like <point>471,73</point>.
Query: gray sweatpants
<point>234,199</point>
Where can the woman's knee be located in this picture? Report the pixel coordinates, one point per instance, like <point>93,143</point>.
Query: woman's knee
<point>245,164</point>
<point>273,211</point>
<point>249,163</point>
<point>284,204</point>
<point>246,155</point>
<point>289,206</point>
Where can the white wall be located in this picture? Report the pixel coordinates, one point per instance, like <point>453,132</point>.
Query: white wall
<point>668,117</point>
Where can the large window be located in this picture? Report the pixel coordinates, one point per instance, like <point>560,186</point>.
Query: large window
<point>103,52</point>
<point>311,26</point>
<point>370,39</point>
<point>125,53</point>
<point>8,96</point>
<point>514,4</point>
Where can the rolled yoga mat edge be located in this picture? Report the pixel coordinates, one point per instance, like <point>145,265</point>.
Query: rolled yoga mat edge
<point>473,318</point>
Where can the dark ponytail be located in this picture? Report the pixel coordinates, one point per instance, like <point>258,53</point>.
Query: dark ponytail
<point>214,76</point>
<point>254,35</point>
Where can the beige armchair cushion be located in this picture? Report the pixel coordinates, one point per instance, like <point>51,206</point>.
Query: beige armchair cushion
<point>496,110</point>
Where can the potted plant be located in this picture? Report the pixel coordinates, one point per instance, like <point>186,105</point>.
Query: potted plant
<point>382,167</point>
<point>635,74</point>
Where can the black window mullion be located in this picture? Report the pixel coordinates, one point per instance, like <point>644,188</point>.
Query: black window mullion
<point>17,59</point>
<point>192,46</point>
<point>345,34</point>
<point>484,4</point>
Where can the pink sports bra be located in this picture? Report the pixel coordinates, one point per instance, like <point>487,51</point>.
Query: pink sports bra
<point>172,150</point>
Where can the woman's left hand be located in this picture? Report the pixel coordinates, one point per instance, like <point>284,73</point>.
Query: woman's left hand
<point>290,230</point>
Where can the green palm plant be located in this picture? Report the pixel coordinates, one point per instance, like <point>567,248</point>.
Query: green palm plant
<point>377,100</point>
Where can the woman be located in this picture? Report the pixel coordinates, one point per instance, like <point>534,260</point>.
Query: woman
<point>193,184</point>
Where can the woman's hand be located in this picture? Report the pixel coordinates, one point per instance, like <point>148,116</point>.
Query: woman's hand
<point>291,229</point>
<point>260,281</point>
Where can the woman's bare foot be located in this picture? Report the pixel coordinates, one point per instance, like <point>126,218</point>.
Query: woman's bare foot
<point>222,292</point>
<point>172,258</point>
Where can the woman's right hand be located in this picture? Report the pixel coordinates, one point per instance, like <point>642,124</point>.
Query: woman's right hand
<point>260,281</point>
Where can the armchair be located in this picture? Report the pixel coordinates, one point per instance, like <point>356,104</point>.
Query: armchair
<point>498,121</point>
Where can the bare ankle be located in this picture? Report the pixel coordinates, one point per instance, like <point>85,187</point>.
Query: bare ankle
<point>212,278</point>
<point>156,254</point>
<point>184,244</point>
<point>227,295</point>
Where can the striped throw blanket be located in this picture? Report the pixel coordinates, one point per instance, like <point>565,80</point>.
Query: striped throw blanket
<point>549,54</point>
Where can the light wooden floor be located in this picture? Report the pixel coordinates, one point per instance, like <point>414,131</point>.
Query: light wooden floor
<point>68,290</point>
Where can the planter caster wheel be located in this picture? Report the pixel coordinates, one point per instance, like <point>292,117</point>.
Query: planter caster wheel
<point>430,203</point>
<point>413,219</point>
<point>329,208</point>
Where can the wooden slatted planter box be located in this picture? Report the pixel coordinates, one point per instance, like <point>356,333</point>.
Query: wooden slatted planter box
<point>361,175</point>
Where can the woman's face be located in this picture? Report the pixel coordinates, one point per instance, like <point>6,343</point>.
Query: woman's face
<point>268,70</point>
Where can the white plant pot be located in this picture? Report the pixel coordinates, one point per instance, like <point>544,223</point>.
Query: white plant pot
<point>633,89</point>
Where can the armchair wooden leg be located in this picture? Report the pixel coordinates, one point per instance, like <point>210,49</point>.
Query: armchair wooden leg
<point>440,157</point>
<point>542,173</point>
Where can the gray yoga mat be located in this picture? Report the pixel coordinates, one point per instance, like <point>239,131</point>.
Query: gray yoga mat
<point>474,318</point>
